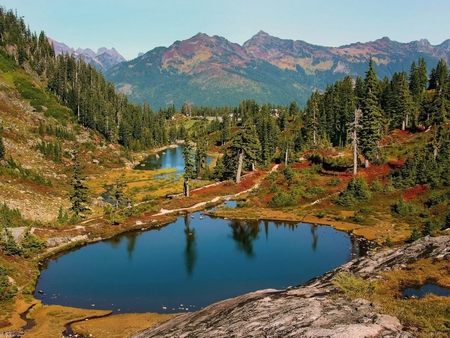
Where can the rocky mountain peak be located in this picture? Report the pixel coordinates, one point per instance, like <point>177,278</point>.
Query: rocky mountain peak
<point>445,45</point>
<point>103,59</point>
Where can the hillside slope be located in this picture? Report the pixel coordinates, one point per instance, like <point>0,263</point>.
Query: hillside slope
<point>39,137</point>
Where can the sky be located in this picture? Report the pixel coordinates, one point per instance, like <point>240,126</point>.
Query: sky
<point>134,26</point>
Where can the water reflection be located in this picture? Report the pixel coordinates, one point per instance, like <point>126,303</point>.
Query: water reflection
<point>131,243</point>
<point>190,252</point>
<point>244,233</point>
<point>193,261</point>
<point>115,242</point>
<point>314,236</point>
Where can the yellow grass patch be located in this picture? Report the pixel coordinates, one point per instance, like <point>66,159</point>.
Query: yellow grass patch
<point>51,319</point>
<point>119,326</point>
<point>19,306</point>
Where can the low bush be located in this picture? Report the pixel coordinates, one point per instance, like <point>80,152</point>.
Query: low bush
<point>356,191</point>
<point>353,287</point>
<point>403,208</point>
<point>7,290</point>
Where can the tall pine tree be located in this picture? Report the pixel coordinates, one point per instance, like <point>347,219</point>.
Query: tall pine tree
<point>79,191</point>
<point>371,120</point>
<point>2,146</point>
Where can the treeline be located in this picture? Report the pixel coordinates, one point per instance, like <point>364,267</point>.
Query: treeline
<point>407,100</point>
<point>27,48</point>
<point>364,108</point>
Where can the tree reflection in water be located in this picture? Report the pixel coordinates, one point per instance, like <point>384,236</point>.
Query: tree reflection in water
<point>244,233</point>
<point>314,236</point>
<point>131,238</point>
<point>190,253</point>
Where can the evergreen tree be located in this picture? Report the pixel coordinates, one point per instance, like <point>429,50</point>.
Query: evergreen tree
<point>189,165</point>
<point>400,103</point>
<point>245,147</point>
<point>371,122</point>
<point>2,146</point>
<point>79,191</point>
<point>200,156</point>
<point>311,120</point>
<point>268,134</point>
<point>418,79</point>
<point>359,91</point>
<point>118,192</point>
<point>345,107</point>
<point>353,132</point>
<point>294,109</point>
<point>440,82</point>
<point>226,132</point>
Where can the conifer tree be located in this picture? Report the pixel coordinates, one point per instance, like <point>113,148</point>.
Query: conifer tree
<point>440,82</point>
<point>79,191</point>
<point>2,146</point>
<point>189,165</point>
<point>353,132</point>
<point>226,132</point>
<point>246,148</point>
<point>399,103</point>
<point>200,156</point>
<point>418,79</point>
<point>370,134</point>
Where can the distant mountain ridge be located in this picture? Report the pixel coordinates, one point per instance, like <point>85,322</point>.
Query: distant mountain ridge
<point>212,71</point>
<point>102,60</point>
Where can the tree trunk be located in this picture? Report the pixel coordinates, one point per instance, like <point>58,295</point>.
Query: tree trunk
<point>186,188</point>
<point>355,155</point>
<point>366,163</point>
<point>286,156</point>
<point>239,169</point>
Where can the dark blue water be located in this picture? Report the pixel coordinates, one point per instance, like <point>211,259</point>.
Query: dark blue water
<point>192,263</point>
<point>426,289</point>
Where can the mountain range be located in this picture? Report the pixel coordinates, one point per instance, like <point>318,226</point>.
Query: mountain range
<point>102,60</point>
<point>212,71</point>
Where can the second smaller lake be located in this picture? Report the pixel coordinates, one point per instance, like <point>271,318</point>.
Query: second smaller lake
<point>426,289</point>
<point>167,158</point>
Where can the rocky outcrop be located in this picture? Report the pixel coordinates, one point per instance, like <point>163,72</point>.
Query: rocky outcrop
<point>306,310</point>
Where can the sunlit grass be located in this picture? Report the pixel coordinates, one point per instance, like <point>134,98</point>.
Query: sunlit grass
<point>427,316</point>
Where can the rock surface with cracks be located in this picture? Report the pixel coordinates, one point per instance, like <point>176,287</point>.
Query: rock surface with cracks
<point>306,310</point>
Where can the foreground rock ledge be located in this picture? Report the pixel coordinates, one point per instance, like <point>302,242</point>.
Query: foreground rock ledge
<point>305,311</point>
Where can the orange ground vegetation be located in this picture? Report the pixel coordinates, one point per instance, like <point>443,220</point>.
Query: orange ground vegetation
<point>397,164</point>
<point>397,137</point>
<point>414,192</point>
<point>375,172</point>
<point>230,188</point>
<point>301,165</point>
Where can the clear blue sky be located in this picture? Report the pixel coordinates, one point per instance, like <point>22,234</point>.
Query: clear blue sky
<point>133,26</point>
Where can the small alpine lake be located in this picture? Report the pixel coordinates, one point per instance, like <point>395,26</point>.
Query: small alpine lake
<point>191,263</point>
